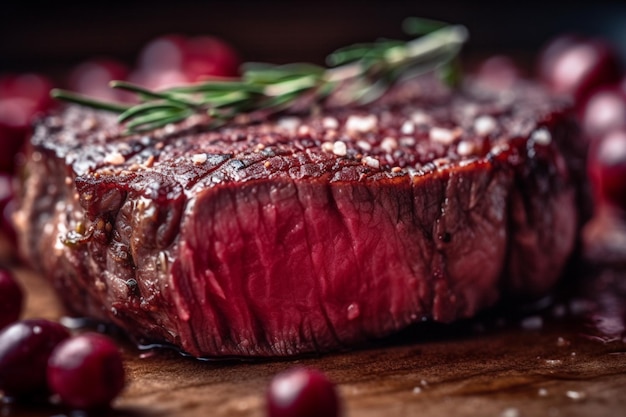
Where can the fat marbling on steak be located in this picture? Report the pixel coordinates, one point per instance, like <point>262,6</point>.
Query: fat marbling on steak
<point>304,232</point>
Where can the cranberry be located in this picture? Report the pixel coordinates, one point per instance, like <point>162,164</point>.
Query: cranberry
<point>164,53</point>
<point>92,79</point>
<point>607,169</point>
<point>576,65</point>
<point>21,98</point>
<point>160,63</point>
<point>499,71</point>
<point>31,86</point>
<point>25,347</point>
<point>86,371</point>
<point>11,298</point>
<point>302,392</point>
<point>209,56</point>
<point>552,51</point>
<point>15,118</point>
<point>605,110</point>
<point>173,59</point>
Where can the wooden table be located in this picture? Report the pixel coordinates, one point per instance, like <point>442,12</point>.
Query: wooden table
<point>540,365</point>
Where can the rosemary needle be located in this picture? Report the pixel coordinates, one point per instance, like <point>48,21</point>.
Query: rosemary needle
<point>71,97</point>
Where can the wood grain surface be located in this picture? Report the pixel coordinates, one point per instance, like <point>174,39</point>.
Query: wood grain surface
<point>548,364</point>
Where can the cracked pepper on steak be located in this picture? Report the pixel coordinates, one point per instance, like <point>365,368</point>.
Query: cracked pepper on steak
<point>304,232</point>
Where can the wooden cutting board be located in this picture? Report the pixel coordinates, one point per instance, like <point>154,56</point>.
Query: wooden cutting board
<point>540,365</point>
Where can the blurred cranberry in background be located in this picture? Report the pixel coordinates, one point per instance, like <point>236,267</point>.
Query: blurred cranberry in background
<point>499,71</point>
<point>164,53</point>
<point>92,78</point>
<point>172,59</point>
<point>29,86</point>
<point>160,63</point>
<point>607,169</point>
<point>209,56</point>
<point>21,98</point>
<point>552,51</point>
<point>605,110</point>
<point>575,65</point>
<point>15,116</point>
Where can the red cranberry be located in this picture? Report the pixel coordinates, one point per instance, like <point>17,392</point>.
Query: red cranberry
<point>160,63</point>
<point>11,299</point>
<point>605,110</point>
<point>576,66</point>
<point>15,119</point>
<point>31,86</point>
<point>21,98</point>
<point>302,392</point>
<point>25,347</point>
<point>172,60</point>
<point>209,56</point>
<point>92,78</point>
<point>607,169</point>
<point>164,53</point>
<point>499,71</point>
<point>553,50</point>
<point>86,371</point>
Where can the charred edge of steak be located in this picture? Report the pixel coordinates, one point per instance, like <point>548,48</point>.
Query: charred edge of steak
<point>305,233</point>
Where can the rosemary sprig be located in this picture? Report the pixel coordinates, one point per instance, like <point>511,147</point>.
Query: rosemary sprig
<point>88,101</point>
<point>357,74</point>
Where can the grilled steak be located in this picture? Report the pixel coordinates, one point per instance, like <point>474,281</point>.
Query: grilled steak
<point>304,232</point>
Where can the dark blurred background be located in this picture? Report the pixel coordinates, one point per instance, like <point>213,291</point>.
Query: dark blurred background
<point>53,36</point>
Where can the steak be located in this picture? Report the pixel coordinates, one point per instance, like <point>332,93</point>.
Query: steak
<point>305,232</point>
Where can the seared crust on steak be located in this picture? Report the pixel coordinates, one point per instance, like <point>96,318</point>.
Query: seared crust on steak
<point>304,232</point>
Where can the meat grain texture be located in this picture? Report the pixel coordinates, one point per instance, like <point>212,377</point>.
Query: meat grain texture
<point>305,232</point>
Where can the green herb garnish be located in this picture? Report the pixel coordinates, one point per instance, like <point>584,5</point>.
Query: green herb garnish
<point>358,74</point>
